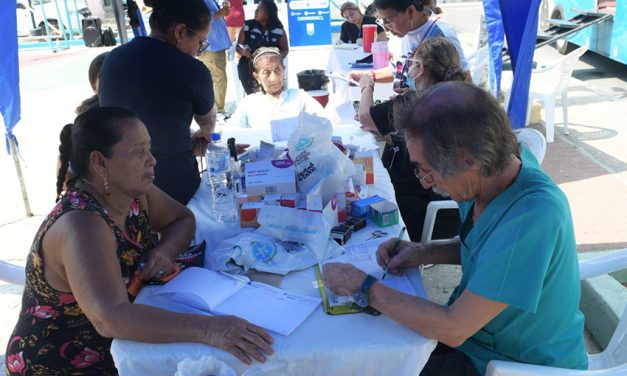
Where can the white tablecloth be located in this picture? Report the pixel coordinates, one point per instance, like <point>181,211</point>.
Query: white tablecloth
<point>339,62</point>
<point>356,344</point>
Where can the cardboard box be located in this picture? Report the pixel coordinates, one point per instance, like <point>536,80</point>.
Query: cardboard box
<point>289,200</point>
<point>365,159</point>
<point>384,213</point>
<point>361,208</point>
<point>248,214</point>
<point>270,176</point>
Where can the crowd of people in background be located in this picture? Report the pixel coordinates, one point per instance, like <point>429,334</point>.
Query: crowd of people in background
<point>128,166</point>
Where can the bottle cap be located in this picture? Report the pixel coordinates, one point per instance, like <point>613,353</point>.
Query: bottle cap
<point>215,137</point>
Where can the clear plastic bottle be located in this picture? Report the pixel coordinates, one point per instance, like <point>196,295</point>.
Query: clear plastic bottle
<point>223,203</point>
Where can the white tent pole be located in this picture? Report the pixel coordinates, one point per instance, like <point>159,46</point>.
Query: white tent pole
<point>18,169</point>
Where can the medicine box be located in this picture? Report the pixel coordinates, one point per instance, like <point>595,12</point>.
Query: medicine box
<point>361,208</point>
<point>366,160</point>
<point>248,214</point>
<point>270,176</point>
<point>384,213</point>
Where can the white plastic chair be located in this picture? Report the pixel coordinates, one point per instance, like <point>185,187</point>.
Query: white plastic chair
<point>12,273</point>
<point>550,81</point>
<point>611,362</point>
<point>529,137</point>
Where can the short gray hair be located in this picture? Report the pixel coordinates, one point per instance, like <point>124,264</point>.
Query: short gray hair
<point>452,116</point>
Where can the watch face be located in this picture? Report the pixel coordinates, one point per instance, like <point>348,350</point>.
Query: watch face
<point>361,299</point>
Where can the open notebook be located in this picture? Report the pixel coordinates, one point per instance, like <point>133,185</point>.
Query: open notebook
<point>219,293</point>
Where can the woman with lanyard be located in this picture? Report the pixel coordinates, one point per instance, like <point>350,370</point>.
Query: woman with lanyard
<point>265,30</point>
<point>413,21</point>
<point>351,31</point>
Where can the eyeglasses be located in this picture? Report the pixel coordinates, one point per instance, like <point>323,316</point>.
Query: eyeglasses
<point>427,178</point>
<point>385,22</point>
<point>203,44</point>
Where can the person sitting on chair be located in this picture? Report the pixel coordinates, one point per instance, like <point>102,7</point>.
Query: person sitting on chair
<point>273,101</point>
<point>95,241</point>
<point>265,30</point>
<point>435,61</point>
<point>518,298</point>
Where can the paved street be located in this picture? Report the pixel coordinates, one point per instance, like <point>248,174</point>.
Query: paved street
<point>590,164</point>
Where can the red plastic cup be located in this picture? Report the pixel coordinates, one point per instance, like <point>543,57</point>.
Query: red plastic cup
<point>368,32</point>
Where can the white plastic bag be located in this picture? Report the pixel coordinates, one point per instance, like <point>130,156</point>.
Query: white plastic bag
<point>316,157</point>
<point>266,254</point>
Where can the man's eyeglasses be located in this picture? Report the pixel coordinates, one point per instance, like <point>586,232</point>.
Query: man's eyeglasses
<point>203,44</point>
<point>427,178</point>
<point>385,22</point>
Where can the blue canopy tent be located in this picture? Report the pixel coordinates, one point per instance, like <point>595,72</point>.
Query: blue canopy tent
<point>9,86</point>
<point>518,21</point>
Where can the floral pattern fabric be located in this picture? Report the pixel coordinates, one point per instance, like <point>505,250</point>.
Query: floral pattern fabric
<point>52,335</point>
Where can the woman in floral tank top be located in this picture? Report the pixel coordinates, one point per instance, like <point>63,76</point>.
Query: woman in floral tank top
<point>90,247</point>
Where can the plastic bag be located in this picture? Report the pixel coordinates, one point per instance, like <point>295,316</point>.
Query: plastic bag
<point>265,254</point>
<point>316,157</point>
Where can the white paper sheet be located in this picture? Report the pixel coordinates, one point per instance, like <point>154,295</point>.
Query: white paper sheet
<point>363,256</point>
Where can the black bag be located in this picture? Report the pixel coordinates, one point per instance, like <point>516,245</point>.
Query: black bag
<point>92,37</point>
<point>108,38</point>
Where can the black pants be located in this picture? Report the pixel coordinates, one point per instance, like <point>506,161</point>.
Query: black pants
<point>245,77</point>
<point>447,361</point>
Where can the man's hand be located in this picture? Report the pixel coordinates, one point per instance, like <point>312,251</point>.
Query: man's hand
<point>342,279</point>
<point>408,255</point>
<point>355,75</point>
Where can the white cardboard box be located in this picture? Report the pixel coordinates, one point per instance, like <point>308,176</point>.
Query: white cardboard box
<point>270,176</point>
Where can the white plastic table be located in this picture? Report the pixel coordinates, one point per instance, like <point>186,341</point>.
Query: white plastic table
<point>355,344</point>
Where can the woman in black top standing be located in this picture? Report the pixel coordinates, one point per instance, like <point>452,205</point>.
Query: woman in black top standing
<point>351,28</point>
<point>159,78</point>
<point>265,30</point>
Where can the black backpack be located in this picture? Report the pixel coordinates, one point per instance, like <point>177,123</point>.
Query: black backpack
<point>108,38</point>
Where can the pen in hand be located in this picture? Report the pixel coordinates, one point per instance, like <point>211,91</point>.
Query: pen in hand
<point>393,252</point>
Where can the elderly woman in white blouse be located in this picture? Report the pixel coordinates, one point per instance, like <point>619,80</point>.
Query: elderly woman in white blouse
<point>273,101</point>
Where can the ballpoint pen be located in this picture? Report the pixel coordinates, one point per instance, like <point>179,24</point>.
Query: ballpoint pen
<point>393,252</point>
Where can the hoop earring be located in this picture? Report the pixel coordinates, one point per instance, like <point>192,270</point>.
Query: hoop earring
<point>106,185</point>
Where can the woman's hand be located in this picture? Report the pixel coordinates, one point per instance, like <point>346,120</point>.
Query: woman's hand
<point>365,82</point>
<point>156,265</point>
<point>240,338</point>
<point>355,75</point>
<point>408,256</point>
<point>244,51</point>
<point>342,279</point>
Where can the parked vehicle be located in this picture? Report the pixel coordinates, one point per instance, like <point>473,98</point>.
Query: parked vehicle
<point>54,11</point>
<point>608,38</point>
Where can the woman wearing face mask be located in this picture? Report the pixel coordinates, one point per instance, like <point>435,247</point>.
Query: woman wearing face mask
<point>159,78</point>
<point>435,61</point>
<point>351,28</point>
<point>273,101</point>
<point>414,21</point>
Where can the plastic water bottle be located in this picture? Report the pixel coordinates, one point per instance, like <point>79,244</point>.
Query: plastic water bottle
<point>223,205</point>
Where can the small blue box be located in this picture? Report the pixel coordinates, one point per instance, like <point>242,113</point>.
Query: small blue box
<point>361,208</point>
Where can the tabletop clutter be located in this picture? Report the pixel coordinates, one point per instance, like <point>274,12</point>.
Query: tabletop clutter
<point>298,195</point>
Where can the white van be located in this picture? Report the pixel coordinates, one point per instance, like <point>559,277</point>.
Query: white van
<point>77,14</point>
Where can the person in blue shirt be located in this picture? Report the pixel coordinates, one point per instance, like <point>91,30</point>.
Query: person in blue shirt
<point>518,298</point>
<point>215,55</point>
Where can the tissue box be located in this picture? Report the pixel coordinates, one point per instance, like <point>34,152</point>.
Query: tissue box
<point>270,176</point>
<point>361,208</point>
<point>384,213</point>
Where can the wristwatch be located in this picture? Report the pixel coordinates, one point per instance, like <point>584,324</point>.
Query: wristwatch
<point>361,295</point>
